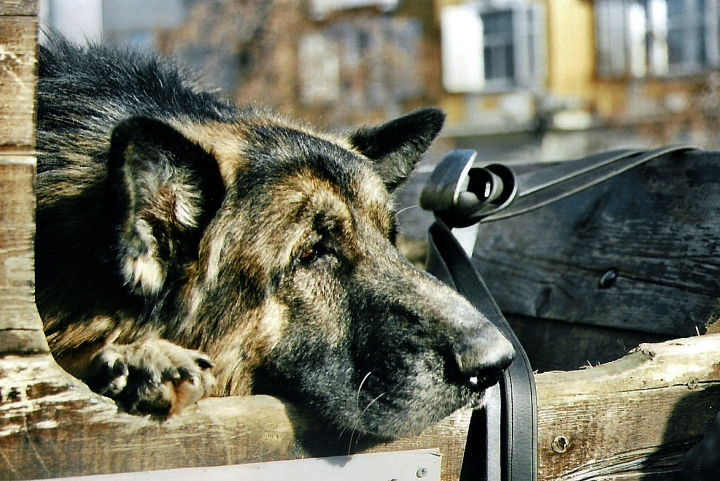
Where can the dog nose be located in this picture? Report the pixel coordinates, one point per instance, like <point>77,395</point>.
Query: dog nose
<point>482,357</point>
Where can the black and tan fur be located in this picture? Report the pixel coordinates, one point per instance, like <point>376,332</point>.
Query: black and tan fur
<point>186,247</point>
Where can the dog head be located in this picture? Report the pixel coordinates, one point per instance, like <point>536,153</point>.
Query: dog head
<point>272,248</point>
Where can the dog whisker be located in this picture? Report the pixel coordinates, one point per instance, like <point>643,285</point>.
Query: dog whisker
<point>357,422</point>
<point>349,451</point>
<point>405,209</point>
<point>375,399</point>
<point>357,397</point>
<point>371,403</point>
<point>357,403</point>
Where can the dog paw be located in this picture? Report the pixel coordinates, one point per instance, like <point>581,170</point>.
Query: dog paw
<point>151,377</point>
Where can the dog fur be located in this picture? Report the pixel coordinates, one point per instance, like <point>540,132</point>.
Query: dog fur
<point>187,247</point>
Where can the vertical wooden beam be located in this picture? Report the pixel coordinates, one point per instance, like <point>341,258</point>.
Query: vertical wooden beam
<point>20,325</point>
<point>18,61</point>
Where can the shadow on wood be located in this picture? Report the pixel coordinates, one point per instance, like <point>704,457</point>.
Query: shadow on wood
<point>631,418</point>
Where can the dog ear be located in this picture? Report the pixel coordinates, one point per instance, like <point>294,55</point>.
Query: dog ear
<point>397,145</point>
<point>164,189</point>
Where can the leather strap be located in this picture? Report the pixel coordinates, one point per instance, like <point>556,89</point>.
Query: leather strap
<point>509,414</point>
<point>462,195</point>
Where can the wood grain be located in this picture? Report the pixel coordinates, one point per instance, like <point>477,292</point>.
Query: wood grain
<point>630,419</point>
<point>20,325</point>
<point>18,7</point>
<point>18,38</point>
<point>51,425</point>
<point>656,226</point>
<point>627,419</point>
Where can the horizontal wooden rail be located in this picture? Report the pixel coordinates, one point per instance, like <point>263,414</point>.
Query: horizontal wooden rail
<point>51,425</point>
<point>629,418</point>
<point>621,420</point>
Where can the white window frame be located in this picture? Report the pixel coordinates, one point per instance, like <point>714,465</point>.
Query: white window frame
<point>528,40</point>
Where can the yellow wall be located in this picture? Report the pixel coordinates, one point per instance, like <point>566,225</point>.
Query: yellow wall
<point>570,48</point>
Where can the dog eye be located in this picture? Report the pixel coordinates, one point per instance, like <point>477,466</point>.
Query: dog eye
<point>309,256</point>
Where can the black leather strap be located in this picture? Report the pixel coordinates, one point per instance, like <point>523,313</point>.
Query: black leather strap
<point>510,412</point>
<point>541,187</point>
<point>462,195</point>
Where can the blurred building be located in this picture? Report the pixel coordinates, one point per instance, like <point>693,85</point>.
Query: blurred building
<point>574,64</point>
<point>520,80</point>
<point>342,62</point>
<point>496,66</point>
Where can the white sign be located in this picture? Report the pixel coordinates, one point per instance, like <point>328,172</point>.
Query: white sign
<point>418,465</point>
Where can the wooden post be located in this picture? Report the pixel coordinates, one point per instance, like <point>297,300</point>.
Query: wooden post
<point>20,325</point>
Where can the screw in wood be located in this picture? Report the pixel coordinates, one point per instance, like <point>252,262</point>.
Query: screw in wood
<point>421,473</point>
<point>560,444</point>
<point>608,279</point>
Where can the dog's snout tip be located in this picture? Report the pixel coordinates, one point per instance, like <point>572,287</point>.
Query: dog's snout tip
<point>506,355</point>
<point>482,362</point>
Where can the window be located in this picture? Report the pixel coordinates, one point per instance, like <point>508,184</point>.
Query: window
<point>507,47</point>
<point>112,21</point>
<point>640,38</point>
<point>686,34</point>
<point>498,46</point>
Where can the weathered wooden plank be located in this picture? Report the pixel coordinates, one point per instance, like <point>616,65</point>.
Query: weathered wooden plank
<point>51,425</point>
<point>20,325</point>
<point>619,421</point>
<point>655,226</point>
<point>18,7</point>
<point>630,418</point>
<point>18,37</point>
<point>566,290</point>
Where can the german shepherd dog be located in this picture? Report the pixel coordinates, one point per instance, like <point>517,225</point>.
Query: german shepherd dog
<point>187,247</point>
